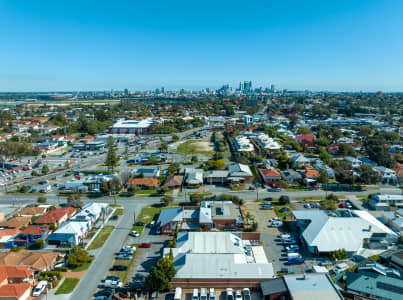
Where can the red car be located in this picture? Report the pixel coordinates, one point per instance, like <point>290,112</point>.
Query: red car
<point>145,245</point>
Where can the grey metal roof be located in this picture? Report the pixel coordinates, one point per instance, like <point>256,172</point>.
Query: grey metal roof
<point>170,214</point>
<point>273,286</point>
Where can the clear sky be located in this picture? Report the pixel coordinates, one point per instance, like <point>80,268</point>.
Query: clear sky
<point>98,45</point>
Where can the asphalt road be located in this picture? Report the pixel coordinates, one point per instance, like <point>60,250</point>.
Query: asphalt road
<point>104,258</point>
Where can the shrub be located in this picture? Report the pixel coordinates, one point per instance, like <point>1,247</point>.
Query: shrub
<point>41,199</point>
<point>284,199</point>
<point>62,269</point>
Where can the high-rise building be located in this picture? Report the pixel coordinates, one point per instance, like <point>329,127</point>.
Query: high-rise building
<point>272,88</point>
<point>247,86</point>
<point>162,90</point>
<point>126,92</point>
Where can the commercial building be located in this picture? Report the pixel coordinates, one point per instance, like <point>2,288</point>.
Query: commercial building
<point>325,231</point>
<point>137,127</point>
<point>300,287</point>
<point>222,215</point>
<point>219,260</point>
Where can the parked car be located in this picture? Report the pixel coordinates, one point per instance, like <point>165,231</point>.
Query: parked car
<point>40,287</point>
<point>246,294</point>
<point>119,268</point>
<point>124,256</point>
<point>230,295</point>
<point>306,205</point>
<point>274,189</point>
<point>114,217</point>
<point>284,209</point>
<point>238,295</point>
<point>134,233</point>
<point>145,245</point>
<point>113,282</point>
<point>139,224</point>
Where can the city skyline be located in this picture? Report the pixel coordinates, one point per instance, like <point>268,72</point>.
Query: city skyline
<point>140,46</point>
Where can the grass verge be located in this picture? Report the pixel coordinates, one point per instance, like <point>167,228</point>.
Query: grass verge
<point>128,263</point>
<point>277,208</point>
<point>67,286</point>
<point>101,237</point>
<point>83,267</point>
<point>119,212</point>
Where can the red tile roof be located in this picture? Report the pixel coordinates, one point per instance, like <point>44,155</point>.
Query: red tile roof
<point>14,290</point>
<point>55,215</point>
<point>16,271</point>
<point>270,173</point>
<point>35,230</point>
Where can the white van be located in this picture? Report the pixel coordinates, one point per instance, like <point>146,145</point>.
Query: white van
<point>195,294</point>
<point>211,294</point>
<point>203,294</point>
<point>178,293</point>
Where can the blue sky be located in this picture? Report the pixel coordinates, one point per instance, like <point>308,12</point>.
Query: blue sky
<point>99,45</point>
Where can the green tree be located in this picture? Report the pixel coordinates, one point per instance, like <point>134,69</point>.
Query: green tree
<point>325,157</point>
<point>161,275</point>
<point>163,146</point>
<point>284,199</point>
<point>42,199</point>
<point>196,197</point>
<point>45,169</point>
<point>368,175</point>
<point>330,203</point>
<point>111,158</point>
<point>153,160</point>
<point>323,178</point>
<point>166,200</point>
<point>175,138</point>
<point>67,164</point>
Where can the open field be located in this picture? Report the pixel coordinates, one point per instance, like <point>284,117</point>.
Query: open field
<point>196,146</point>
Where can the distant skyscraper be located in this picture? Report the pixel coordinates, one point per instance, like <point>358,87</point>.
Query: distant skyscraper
<point>247,86</point>
<point>126,92</point>
<point>272,88</point>
<point>162,90</point>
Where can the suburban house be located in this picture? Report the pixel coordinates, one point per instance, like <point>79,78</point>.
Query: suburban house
<point>174,182</point>
<point>143,183</point>
<point>194,177</point>
<point>240,173</point>
<point>298,160</point>
<point>216,177</point>
<point>291,176</point>
<point>56,216</point>
<point>356,231</point>
<point>306,141</point>
<point>270,176</point>
<point>15,282</point>
<point>37,261</point>
<point>30,211</point>
<point>31,234</point>
<point>16,222</point>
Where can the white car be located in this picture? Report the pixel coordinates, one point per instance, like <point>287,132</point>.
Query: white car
<point>238,294</point>
<point>246,294</point>
<point>134,233</point>
<point>40,287</point>
<point>230,295</point>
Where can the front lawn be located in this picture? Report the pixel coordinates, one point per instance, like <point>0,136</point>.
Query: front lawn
<point>83,267</point>
<point>101,237</point>
<point>67,286</point>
